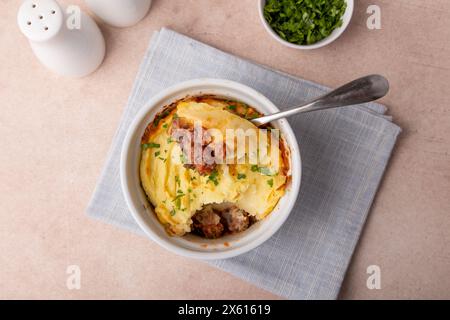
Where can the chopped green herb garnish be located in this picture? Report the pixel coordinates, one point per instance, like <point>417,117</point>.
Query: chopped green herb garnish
<point>157,153</point>
<point>213,177</point>
<point>169,140</point>
<point>160,117</point>
<point>165,125</point>
<point>263,170</point>
<point>251,116</point>
<point>177,180</point>
<point>241,176</point>
<point>270,182</point>
<point>304,22</point>
<point>175,116</point>
<point>173,212</point>
<point>149,145</point>
<point>183,158</point>
<point>178,202</point>
<point>232,107</point>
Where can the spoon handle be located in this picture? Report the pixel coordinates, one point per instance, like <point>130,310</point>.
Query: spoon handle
<point>358,91</point>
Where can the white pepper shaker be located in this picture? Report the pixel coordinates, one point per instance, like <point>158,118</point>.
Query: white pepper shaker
<point>71,49</point>
<point>120,13</point>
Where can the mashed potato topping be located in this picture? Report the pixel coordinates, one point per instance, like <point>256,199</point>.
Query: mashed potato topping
<point>178,191</point>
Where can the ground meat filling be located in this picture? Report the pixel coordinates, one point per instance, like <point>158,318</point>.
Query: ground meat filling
<point>207,223</point>
<point>214,221</point>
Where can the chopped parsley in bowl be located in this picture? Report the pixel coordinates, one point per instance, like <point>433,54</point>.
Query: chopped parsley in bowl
<point>306,23</point>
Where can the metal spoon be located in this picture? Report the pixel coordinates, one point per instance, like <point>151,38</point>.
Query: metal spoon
<point>358,91</point>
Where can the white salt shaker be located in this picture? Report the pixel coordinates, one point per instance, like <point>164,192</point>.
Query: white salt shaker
<point>71,49</point>
<point>120,13</point>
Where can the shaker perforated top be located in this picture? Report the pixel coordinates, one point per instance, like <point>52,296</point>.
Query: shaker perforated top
<point>40,20</point>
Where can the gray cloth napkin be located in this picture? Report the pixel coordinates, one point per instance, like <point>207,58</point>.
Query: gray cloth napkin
<point>344,153</point>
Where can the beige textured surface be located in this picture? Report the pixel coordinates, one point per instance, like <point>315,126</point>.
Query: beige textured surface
<point>55,134</point>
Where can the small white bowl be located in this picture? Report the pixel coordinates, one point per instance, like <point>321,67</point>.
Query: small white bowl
<point>190,245</point>
<point>333,36</point>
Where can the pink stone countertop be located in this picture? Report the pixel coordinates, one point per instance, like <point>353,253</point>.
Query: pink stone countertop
<point>55,134</point>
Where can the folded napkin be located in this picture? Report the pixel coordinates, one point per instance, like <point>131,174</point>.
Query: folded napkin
<point>344,152</point>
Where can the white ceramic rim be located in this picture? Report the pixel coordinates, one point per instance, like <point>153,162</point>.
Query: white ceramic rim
<point>332,37</point>
<point>250,240</point>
